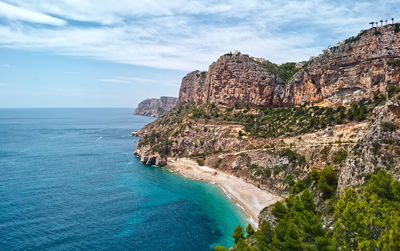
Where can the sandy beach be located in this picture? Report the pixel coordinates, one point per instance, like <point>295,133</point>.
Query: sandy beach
<point>249,197</point>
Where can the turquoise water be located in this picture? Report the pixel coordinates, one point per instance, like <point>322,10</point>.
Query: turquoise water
<point>69,181</point>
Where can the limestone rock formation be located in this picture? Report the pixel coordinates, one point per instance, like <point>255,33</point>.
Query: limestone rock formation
<point>156,107</point>
<point>348,72</point>
<point>192,88</point>
<point>234,79</point>
<point>342,75</point>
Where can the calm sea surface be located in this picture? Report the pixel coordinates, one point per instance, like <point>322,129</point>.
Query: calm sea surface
<point>69,181</point>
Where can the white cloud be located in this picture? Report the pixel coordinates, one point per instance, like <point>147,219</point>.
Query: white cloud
<point>139,80</point>
<point>13,12</point>
<point>188,35</point>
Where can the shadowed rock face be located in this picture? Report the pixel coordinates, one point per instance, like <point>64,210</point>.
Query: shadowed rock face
<point>341,75</point>
<point>156,107</point>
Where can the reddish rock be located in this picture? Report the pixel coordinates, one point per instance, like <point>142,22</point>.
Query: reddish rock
<point>342,75</point>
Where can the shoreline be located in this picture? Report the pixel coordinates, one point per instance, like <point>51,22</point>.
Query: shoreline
<point>248,197</point>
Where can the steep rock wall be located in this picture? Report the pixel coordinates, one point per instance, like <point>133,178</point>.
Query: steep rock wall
<point>348,72</point>
<point>342,75</point>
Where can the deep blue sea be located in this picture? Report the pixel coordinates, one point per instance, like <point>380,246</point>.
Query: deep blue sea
<point>69,181</point>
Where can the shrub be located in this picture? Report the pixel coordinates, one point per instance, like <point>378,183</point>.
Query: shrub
<point>395,63</point>
<point>267,173</point>
<point>277,170</point>
<point>253,167</point>
<point>200,161</point>
<point>298,187</point>
<point>314,175</point>
<point>396,27</point>
<point>221,248</point>
<point>388,126</point>
<point>339,156</point>
<point>393,89</point>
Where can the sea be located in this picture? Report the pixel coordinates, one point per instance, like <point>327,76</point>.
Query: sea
<point>69,181</point>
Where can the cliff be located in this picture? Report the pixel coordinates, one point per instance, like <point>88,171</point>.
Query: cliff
<point>271,125</point>
<point>347,73</point>
<point>233,79</point>
<point>156,107</point>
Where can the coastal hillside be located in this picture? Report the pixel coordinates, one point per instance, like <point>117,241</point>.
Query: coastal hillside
<point>156,107</point>
<point>319,127</point>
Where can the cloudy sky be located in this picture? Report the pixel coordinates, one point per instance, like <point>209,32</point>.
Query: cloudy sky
<point>99,53</point>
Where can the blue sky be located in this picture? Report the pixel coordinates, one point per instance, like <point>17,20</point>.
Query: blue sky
<point>97,53</point>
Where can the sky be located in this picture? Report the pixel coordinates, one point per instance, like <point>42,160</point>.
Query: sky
<point>98,53</point>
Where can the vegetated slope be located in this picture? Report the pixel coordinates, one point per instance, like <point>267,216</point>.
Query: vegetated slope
<point>340,113</point>
<point>156,107</point>
<point>366,218</point>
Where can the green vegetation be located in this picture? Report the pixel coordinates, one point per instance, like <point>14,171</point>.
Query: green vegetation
<point>389,126</point>
<point>256,122</point>
<point>299,227</point>
<point>238,233</point>
<point>200,162</point>
<point>339,156</point>
<point>369,219</point>
<point>295,158</point>
<point>364,219</point>
<point>327,181</point>
<point>396,27</point>
<point>355,38</point>
<point>393,90</point>
<point>395,63</point>
<point>284,71</point>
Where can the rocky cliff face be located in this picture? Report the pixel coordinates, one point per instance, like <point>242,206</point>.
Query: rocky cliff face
<point>348,72</point>
<point>156,107</point>
<point>234,79</point>
<point>342,75</point>
<point>193,88</point>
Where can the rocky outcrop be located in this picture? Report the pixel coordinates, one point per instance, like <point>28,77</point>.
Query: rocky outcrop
<point>348,72</point>
<point>192,88</point>
<point>234,79</point>
<point>342,75</point>
<point>156,107</point>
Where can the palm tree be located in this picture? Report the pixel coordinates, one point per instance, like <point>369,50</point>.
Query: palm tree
<point>385,22</point>
<point>381,22</point>
<point>372,23</point>
<point>392,20</point>
<point>376,24</point>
